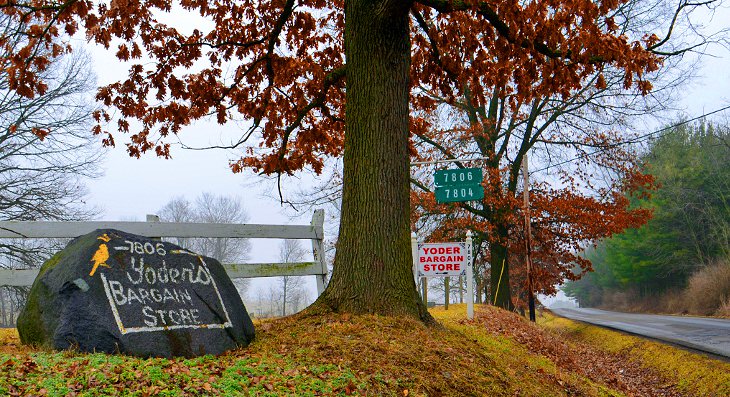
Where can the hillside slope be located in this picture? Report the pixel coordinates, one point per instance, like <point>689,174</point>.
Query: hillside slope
<point>497,354</point>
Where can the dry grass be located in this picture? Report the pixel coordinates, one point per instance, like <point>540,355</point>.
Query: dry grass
<point>683,372</point>
<point>671,302</point>
<point>707,294</point>
<point>708,290</point>
<point>496,354</point>
<point>724,310</point>
<point>317,355</point>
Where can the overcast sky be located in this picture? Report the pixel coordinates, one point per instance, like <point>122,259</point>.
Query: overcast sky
<point>132,188</point>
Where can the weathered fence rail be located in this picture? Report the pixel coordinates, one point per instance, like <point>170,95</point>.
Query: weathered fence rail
<point>314,232</point>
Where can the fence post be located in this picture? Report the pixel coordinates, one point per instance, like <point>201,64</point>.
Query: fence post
<point>153,218</point>
<point>318,249</point>
<point>469,277</point>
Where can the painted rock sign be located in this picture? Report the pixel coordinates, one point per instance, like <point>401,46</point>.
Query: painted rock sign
<point>116,292</point>
<point>151,296</point>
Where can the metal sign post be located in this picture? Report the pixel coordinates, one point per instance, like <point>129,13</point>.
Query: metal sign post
<point>469,277</point>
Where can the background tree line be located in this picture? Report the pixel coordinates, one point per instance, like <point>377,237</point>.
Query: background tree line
<point>47,151</point>
<point>686,245</point>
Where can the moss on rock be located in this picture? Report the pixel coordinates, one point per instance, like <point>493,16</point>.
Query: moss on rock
<point>30,326</point>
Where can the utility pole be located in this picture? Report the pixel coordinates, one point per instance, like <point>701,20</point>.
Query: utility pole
<point>528,237</point>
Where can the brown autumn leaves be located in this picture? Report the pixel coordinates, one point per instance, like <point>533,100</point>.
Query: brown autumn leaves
<point>281,66</point>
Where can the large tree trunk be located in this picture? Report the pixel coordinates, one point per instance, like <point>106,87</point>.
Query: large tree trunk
<point>501,295</point>
<point>372,270</point>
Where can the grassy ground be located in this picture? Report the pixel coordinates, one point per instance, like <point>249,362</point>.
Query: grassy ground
<point>497,354</point>
<point>690,373</point>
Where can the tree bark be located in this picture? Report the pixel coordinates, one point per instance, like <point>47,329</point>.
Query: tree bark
<point>501,295</point>
<point>373,266</point>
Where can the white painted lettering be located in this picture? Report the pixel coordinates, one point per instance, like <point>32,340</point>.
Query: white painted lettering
<point>185,317</point>
<point>137,268</point>
<point>172,314</point>
<point>155,294</point>
<point>204,272</point>
<point>131,295</point>
<point>150,275</point>
<point>162,273</point>
<point>189,275</point>
<point>161,249</point>
<point>150,320</point>
<point>195,315</point>
<point>117,290</point>
<point>161,313</point>
<point>174,274</point>
<point>145,295</point>
<point>186,295</point>
<point>167,295</point>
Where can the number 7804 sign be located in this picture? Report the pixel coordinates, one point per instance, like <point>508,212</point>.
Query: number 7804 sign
<point>460,184</point>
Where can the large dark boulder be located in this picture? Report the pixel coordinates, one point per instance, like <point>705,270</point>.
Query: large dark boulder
<point>115,292</point>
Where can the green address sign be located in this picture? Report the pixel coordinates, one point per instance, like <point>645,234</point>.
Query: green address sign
<point>450,194</point>
<point>458,177</point>
<point>459,184</point>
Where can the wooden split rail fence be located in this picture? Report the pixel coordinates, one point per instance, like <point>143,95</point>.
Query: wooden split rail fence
<point>153,228</point>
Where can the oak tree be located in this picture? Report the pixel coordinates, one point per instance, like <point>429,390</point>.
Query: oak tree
<point>331,78</point>
<point>582,143</point>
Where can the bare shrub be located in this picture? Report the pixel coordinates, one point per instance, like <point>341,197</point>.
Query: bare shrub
<point>630,300</point>
<point>625,300</point>
<point>671,301</point>
<point>708,289</point>
<point>724,310</point>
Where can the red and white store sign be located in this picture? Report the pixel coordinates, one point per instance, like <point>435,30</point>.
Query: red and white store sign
<point>442,259</point>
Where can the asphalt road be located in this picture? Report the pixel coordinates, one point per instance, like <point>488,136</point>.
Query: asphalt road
<point>710,335</point>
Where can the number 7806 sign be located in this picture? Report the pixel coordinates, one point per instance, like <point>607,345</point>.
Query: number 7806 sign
<point>458,177</point>
<point>460,184</point>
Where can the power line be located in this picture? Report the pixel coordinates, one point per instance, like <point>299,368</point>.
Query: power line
<point>638,139</point>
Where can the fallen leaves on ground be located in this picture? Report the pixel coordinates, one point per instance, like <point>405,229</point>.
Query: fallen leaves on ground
<point>497,354</point>
<point>614,370</point>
